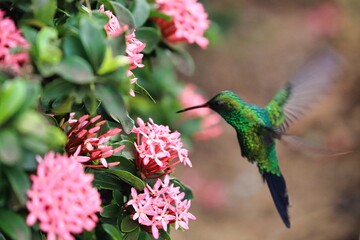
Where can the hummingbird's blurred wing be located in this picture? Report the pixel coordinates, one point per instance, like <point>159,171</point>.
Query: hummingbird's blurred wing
<point>304,88</point>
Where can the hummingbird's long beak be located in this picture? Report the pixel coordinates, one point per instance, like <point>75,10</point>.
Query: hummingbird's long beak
<point>194,107</point>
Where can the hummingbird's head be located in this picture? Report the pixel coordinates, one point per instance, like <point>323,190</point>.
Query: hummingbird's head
<point>224,101</point>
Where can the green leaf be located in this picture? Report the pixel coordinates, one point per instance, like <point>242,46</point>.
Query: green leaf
<point>125,164</point>
<point>142,91</point>
<point>157,14</point>
<point>100,19</point>
<point>34,124</point>
<point>114,106</point>
<point>93,39</point>
<point>128,177</point>
<point>72,46</point>
<point>110,211</point>
<point>38,147</point>
<point>183,61</point>
<point>111,221</point>
<point>164,235</point>
<point>47,45</point>
<point>118,44</point>
<point>29,162</point>
<point>3,77</point>
<point>19,182</point>
<point>141,12</point>
<point>29,33</point>
<point>10,148</point>
<point>123,15</point>
<point>150,36</point>
<point>145,236</point>
<point>134,235</point>
<point>128,225</point>
<point>91,103</point>
<point>112,63</point>
<point>88,235</point>
<point>106,181</point>
<point>118,197</point>
<point>75,69</point>
<point>56,138</point>
<point>12,97</point>
<point>14,225</point>
<point>56,89</point>
<point>44,10</point>
<point>114,233</point>
<point>32,95</point>
<point>63,106</point>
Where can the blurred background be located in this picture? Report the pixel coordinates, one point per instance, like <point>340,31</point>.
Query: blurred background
<point>256,47</point>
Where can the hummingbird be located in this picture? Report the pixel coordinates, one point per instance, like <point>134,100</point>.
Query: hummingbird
<point>258,128</point>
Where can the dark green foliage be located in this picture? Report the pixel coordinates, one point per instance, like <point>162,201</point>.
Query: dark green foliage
<point>75,67</point>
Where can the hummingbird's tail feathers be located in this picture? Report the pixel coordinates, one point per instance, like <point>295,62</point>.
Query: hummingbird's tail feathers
<point>304,144</point>
<point>278,190</point>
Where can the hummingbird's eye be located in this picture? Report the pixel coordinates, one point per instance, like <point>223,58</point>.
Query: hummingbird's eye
<point>220,103</point>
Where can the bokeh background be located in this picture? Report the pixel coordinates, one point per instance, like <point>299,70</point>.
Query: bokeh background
<point>258,46</point>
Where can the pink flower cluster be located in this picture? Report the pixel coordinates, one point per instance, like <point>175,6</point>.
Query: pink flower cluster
<point>188,24</point>
<point>85,144</point>
<point>160,206</point>
<point>62,198</point>
<point>13,47</point>
<point>158,149</point>
<point>133,45</point>
<point>210,122</point>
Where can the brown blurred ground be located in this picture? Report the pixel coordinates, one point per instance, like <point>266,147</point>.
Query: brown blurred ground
<point>264,46</point>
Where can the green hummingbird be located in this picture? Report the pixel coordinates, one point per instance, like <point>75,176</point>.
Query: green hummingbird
<point>258,128</point>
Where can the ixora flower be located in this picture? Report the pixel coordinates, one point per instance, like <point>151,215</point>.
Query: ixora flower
<point>324,19</point>
<point>161,205</point>
<point>87,145</point>
<point>188,23</point>
<point>133,46</point>
<point>210,122</point>
<point>62,198</point>
<point>13,47</point>
<point>158,149</point>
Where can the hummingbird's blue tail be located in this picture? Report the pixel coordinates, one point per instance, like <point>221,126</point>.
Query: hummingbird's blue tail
<point>278,190</point>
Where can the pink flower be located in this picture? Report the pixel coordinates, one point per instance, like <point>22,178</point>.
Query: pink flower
<point>133,45</point>
<point>113,27</point>
<point>160,206</point>
<point>62,198</point>
<point>324,19</point>
<point>13,47</point>
<point>87,145</point>
<point>188,24</point>
<point>210,122</point>
<point>133,48</point>
<point>158,149</point>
